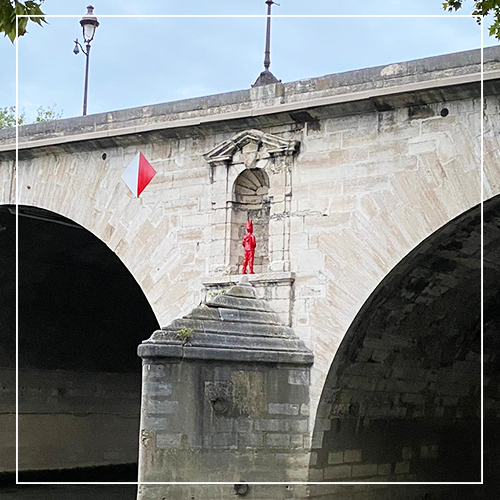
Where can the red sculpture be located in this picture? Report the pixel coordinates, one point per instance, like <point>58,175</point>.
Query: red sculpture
<point>249,243</point>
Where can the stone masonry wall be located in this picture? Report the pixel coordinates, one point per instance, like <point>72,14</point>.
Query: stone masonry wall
<point>262,435</point>
<point>365,190</point>
<point>8,420</point>
<point>402,401</point>
<point>69,420</point>
<point>371,180</point>
<point>368,189</point>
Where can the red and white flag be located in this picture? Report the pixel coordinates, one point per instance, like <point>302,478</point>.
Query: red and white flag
<point>138,174</point>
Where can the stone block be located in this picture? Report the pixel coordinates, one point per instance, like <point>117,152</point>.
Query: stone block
<point>159,389</point>
<point>324,142</point>
<point>364,470</point>
<point>224,440</point>
<point>434,451</point>
<point>168,440</point>
<point>297,425</point>
<point>224,425</point>
<point>298,377</point>
<point>243,425</point>
<point>384,469</point>
<point>323,424</point>
<point>316,475</point>
<point>335,457</point>
<point>276,226</point>
<point>366,184</point>
<point>296,440</point>
<point>283,409</point>
<point>278,440</point>
<point>352,456</point>
<point>154,423</point>
<point>365,122</point>
<point>157,407</point>
<point>251,440</point>
<point>402,467</point>
<point>338,472</point>
<point>196,220</point>
<point>320,205</point>
<point>273,425</point>
<point>317,440</point>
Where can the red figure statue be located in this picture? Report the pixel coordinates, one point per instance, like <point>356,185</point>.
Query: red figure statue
<point>249,245</point>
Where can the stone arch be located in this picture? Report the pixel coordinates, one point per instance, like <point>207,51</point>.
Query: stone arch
<point>401,400</point>
<point>250,201</point>
<point>148,234</point>
<point>81,316</point>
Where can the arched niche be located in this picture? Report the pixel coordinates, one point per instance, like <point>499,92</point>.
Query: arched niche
<point>250,202</point>
<point>250,175</point>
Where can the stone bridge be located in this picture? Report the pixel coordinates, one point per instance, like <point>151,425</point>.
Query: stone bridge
<point>365,190</point>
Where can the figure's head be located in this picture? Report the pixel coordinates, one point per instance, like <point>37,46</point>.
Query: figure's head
<point>249,226</point>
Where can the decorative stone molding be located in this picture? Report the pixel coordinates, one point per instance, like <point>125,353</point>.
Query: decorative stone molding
<point>268,145</point>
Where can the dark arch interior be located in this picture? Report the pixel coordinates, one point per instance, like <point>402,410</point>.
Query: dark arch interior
<point>80,308</point>
<point>402,398</point>
<point>81,317</point>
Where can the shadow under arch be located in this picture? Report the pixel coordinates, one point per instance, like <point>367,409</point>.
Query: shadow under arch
<point>402,400</point>
<point>81,317</point>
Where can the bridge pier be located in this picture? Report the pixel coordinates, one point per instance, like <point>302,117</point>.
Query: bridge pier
<point>225,396</point>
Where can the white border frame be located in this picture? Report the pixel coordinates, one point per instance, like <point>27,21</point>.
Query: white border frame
<point>138,483</point>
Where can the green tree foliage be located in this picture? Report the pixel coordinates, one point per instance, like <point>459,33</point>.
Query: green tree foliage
<point>481,8</point>
<point>9,9</point>
<point>8,116</point>
<point>47,115</point>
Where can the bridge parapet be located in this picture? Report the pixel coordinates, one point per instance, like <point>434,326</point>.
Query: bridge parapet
<point>434,79</point>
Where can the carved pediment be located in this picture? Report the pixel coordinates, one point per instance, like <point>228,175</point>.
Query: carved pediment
<point>264,145</point>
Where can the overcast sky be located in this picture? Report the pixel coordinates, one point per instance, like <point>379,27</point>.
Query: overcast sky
<point>137,61</point>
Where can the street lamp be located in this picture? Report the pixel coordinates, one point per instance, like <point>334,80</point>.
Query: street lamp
<point>89,24</point>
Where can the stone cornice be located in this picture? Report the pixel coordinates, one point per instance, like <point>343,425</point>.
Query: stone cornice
<point>436,79</point>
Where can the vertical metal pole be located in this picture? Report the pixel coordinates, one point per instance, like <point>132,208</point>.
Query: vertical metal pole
<point>267,58</point>
<point>86,81</point>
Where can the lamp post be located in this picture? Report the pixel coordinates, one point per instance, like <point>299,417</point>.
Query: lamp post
<point>266,77</point>
<point>89,24</point>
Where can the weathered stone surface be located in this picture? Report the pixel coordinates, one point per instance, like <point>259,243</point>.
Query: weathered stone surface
<point>236,302</point>
<point>229,387</point>
<point>404,391</point>
<point>233,328</point>
<point>275,288</point>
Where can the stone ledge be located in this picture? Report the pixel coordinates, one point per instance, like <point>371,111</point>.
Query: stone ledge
<point>277,278</point>
<point>150,351</point>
